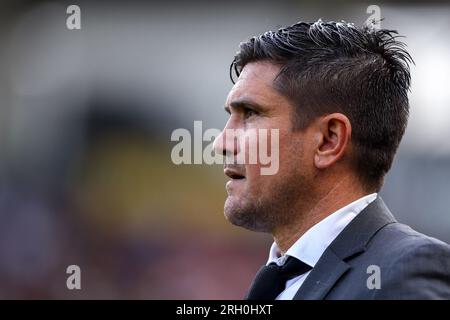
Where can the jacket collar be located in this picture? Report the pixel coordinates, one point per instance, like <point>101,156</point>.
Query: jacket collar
<point>349,243</point>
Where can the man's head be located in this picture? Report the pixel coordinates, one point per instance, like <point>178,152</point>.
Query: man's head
<point>338,95</point>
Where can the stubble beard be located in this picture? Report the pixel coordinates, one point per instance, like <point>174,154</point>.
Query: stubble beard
<point>269,209</point>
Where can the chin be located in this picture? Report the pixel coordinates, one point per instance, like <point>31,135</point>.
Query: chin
<point>244,215</point>
<point>230,208</point>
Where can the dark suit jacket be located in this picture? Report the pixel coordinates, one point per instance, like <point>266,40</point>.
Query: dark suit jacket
<point>411,265</point>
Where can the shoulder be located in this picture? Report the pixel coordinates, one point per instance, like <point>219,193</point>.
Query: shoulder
<point>414,266</point>
<point>400,240</point>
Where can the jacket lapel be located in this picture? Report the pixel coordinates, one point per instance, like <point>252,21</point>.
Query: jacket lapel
<point>324,275</point>
<point>350,242</point>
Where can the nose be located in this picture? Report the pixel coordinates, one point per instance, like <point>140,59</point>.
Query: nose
<point>227,143</point>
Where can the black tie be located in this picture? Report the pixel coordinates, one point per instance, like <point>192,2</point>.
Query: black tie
<point>270,280</point>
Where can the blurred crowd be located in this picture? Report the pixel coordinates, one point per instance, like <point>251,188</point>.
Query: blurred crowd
<point>85,123</point>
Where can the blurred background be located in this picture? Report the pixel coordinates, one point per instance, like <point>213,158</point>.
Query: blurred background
<point>86,117</point>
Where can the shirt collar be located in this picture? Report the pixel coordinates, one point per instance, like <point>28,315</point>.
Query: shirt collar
<point>311,245</point>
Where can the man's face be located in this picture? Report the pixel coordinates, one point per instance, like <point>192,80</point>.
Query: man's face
<point>255,201</point>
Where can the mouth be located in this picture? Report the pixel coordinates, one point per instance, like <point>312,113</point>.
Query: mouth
<point>233,174</point>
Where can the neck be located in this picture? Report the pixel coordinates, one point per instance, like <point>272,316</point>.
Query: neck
<point>317,208</point>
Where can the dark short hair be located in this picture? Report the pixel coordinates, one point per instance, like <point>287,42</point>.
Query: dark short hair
<point>327,67</point>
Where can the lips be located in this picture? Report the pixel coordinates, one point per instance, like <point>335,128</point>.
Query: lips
<point>234,173</point>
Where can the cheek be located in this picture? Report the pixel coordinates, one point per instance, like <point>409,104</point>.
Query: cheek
<point>286,143</point>
<point>253,173</point>
<point>257,184</point>
<point>292,153</point>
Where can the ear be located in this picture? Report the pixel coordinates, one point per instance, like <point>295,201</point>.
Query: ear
<point>333,136</point>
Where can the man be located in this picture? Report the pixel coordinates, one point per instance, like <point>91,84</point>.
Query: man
<point>337,94</point>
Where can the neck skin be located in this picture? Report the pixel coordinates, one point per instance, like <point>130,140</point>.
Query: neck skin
<point>344,191</point>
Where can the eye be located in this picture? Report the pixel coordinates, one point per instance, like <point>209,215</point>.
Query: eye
<point>249,112</point>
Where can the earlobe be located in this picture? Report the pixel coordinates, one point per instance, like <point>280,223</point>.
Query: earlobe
<point>319,162</point>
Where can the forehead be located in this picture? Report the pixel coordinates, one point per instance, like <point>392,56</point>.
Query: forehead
<point>256,82</point>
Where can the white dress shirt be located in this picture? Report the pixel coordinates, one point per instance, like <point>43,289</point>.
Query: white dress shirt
<point>311,245</point>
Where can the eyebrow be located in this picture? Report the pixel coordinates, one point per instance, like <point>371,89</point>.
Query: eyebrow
<point>244,104</point>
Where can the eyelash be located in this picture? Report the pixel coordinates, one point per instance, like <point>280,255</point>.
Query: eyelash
<point>248,113</point>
